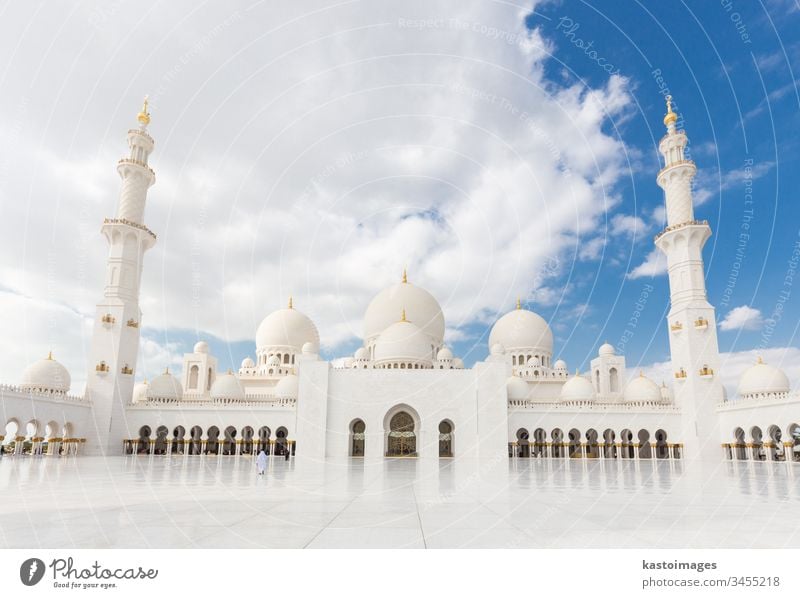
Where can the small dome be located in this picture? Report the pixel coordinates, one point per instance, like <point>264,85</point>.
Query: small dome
<point>560,365</point>
<point>286,328</point>
<point>227,386</point>
<point>248,363</point>
<point>347,362</point>
<point>517,388</point>
<point>47,375</point>
<point>458,364</point>
<point>139,392</point>
<point>763,379</point>
<point>444,354</point>
<point>534,362</point>
<point>201,347</point>
<point>522,329</point>
<point>666,393</point>
<point>287,388</point>
<point>577,388</point>
<point>361,354</point>
<point>165,386</point>
<point>309,348</point>
<point>605,350</point>
<point>497,349</point>
<point>403,341</point>
<point>642,389</point>
<point>273,361</point>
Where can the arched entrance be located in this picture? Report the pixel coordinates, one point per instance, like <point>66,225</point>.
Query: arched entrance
<point>357,438</point>
<point>523,443</point>
<point>402,438</point>
<point>281,439</point>
<point>445,439</point>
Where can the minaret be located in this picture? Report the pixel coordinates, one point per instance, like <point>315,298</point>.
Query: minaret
<point>115,338</point>
<point>691,320</point>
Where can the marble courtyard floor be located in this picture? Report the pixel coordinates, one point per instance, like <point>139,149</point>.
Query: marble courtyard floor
<point>208,502</point>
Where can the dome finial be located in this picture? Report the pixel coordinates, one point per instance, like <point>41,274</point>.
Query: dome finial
<point>403,316</point>
<point>50,356</point>
<point>759,360</point>
<point>671,117</point>
<point>291,306</point>
<point>144,116</point>
<point>405,275</point>
<point>641,373</point>
<point>519,303</point>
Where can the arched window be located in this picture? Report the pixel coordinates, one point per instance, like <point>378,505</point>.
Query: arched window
<point>210,379</point>
<point>402,437</point>
<point>286,358</point>
<point>194,374</point>
<point>445,439</point>
<point>613,380</point>
<point>357,438</point>
<point>597,381</point>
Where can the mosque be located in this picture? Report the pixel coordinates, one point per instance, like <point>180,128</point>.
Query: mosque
<point>404,393</point>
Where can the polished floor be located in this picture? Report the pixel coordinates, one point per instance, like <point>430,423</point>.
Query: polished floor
<point>205,502</point>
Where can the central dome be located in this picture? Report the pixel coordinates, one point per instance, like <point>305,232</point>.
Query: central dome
<point>403,341</point>
<point>286,328</point>
<point>420,306</point>
<point>522,329</point>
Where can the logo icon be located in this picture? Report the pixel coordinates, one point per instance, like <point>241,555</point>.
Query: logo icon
<point>31,572</point>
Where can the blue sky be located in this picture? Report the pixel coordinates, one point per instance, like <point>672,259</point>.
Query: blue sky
<point>316,149</point>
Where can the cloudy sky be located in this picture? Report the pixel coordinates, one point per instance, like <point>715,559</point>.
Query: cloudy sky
<point>496,149</point>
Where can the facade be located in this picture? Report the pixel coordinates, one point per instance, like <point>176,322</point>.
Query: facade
<point>404,393</point>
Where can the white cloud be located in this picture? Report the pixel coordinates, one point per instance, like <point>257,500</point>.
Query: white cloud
<point>743,317</point>
<point>316,160</point>
<point>709,184</point>
<point>627,225</point>
<point>655,264</point>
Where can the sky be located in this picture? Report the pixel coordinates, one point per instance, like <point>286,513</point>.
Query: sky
<point>495,149</point>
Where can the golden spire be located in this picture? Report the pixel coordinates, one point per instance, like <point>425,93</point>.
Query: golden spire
<point>403,316</point>
<point>144,116</point>
<point>290,302</point>
<point>641,373</point>
<point>519,303</point>
<point>229,371</point>
<point>405,276</point>
<point>759,360</point>
<point>166,370</point>
<point>50,356</point>
<point>671,117</point>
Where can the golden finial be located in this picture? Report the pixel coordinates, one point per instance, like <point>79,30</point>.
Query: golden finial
<point>290,302</point>
<point>403,316</point>
<point>166,370</point>
<point>145,380</point>
<point>144,116</point>
<point>671,117</point>
<point>405,276</point>
<point>641,373</point>
<point>50,356</point>
<point>759,360</point>
<point>519,303</point>
<point>229,371</point>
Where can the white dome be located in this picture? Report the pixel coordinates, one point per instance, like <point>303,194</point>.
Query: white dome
<point>227,386</point>
<point>497,349</point>
<point>577,388</point>
<point>309,348</point>
<point>403,341</point>
<point>420,306</point>
<point>444,354</point>
<point>201,347</point>
<point>458,364</point>
<point>273,361</point>
<point>248,363</point>
<point>286,328</point>
<point>605,350</point>
<point>46,374</point>
<point>533,362</point>
<point>642,388</point>
<point>287,388</point>
<point>560,365</point>
<point>763,379</point>
<point>361,354</point>
<point>165,386</point>
<point>139,392</point>
<point>517,388</point>
<point>522,329</point>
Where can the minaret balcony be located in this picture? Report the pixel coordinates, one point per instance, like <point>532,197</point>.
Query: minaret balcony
<point>102,368</point>
<point>706,372</point>
<point>126,370</point>
<point>677,163</point>
<point>133,323</point>
<point>676,327</point>
<point>681,225</point>
<point>680,374</point>
<point>108,319</point>
<point>139,163</point>
<point>701,323</point>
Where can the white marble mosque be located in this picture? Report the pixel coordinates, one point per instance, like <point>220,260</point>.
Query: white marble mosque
<point>404,393</point>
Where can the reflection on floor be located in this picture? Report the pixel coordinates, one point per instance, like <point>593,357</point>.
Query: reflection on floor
<point>140,502</point>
